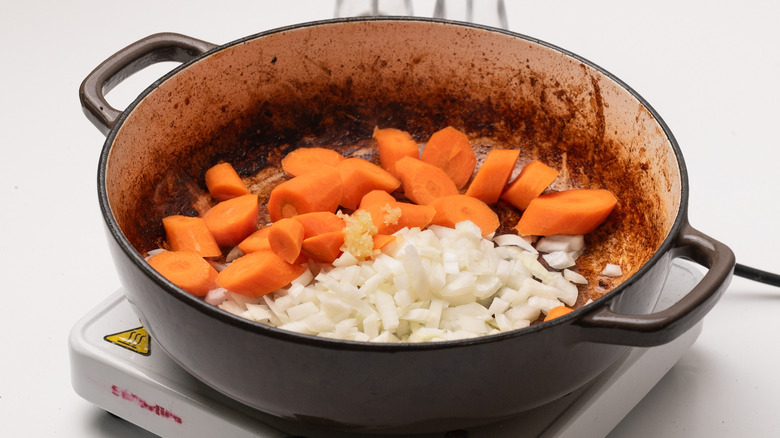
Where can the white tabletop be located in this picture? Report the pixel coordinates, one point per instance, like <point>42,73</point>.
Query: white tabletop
<point>710,69</point>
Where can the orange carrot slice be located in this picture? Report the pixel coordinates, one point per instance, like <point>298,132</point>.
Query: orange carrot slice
<point>191,234</point>
<point>389,215</point>
<point>380,204</point>
<point>492,176</point>
<point>319,222</point>
<point>305,160</point>
<point>318,190</point>
<point>533,179</point>
<point>556,312</point>
<point>423,182</point>
<point>258,273</point>
<point>285,238</point>
<point>577,211</point>
<point>256,241</point>
<point>394,144</point>
<point>376,197</point>
<point>457,208</point>
<point>413,215</point>
<point>451,151</point>
<point>223,182</point>
<point>359,176</point>
<point>324,247</point>
<point>185,269</point>
<point>382,240</point>
<point>231,221</point>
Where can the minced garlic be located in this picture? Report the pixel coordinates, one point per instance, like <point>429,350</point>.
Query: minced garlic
<point>391,214</point>
<point>359,234</point>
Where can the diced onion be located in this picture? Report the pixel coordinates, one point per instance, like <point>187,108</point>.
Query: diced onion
<point>574,277</point>
<point>216,296</point>
<point>515,240</point>
<point>612,270</point>
<point>560,242</point>
<point>435,284</point>
<point>559,259</point>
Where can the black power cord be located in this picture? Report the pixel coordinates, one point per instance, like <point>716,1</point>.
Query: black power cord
<point>757,275</point>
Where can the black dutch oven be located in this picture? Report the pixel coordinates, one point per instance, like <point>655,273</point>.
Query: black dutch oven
<point>329,84</point>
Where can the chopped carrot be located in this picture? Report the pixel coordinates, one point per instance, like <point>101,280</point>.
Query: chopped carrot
<point>422,182</point>
<point>389,215</point>
<point>577,211</point>
<point>324,247</point>
<point>394,144</point>
<point>381,240</point>
<point>223,182</point>
<point>533,179</point>
<point>258,273</point>
<point>318,222</point>
<point>359,176</point>
<point>285,237</point>
<point>231,221</point>
<point>492,176</point>
<point>413,215</point>
<point>451,151</point>
<point>382,208</point>
<point>185,233</point>
<point>302,258</point>
<point>376,197</point>
<point>256,241</point>
<point>457,208</point>
<point>304,160</point>
<point>318,190</point>
<point>185,269</point>
<point>555,312</point>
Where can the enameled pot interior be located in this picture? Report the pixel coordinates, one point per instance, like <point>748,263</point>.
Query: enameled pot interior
<point>329,84</point>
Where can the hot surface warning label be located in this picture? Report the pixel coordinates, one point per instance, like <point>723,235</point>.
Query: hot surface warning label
<point>136,340</point>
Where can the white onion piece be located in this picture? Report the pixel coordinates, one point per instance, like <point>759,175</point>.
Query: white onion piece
<point>498,306</point>
<point>216,296</point>
<point>345,259</point>
<point>320,322</point>
<point>534,267</point>
<point>388,312</point>
<point>515,240</point>
<point>568,292</point>
<point>545,304</point>
<point>233,254</point>
<point>574,277</point>
<point>232,307</point>
<point>416,273</point>
<point>503,323</point>
<point>386,337</point>
<point>154,252</point>
<point>561,242</point>
<point>300,311</point>
<point>559,259</point>
<point>259,312</point>
<point>371,326</point>
<point>612,270</point>
<point>523,312</point>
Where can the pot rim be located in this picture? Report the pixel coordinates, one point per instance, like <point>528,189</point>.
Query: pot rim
<point>285,335</point>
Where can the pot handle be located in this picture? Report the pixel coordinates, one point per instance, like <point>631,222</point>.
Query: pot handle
<point>151,50</point>
<point>605,326</point>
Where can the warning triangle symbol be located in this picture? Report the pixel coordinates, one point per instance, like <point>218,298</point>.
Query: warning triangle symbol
<point>136,340</point>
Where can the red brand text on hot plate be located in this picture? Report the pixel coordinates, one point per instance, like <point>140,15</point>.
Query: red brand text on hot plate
<point>155,409</point>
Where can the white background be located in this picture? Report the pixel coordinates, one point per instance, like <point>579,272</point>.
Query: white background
<point>711,69</point>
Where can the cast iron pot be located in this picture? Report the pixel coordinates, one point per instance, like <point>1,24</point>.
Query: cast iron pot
<point>330,83</point>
